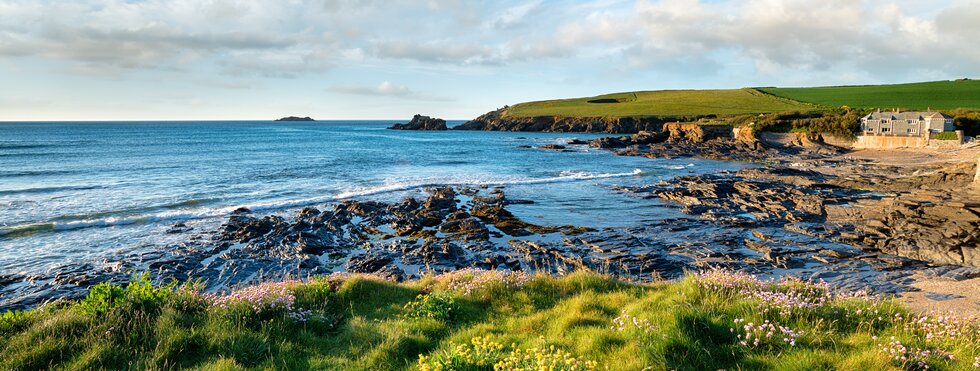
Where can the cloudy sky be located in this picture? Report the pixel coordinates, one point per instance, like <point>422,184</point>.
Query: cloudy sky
<point>384,59</point>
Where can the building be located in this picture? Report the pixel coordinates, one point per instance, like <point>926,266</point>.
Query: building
<point>905,123</point>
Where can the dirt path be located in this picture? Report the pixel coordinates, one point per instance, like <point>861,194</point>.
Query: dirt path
<point>914,157</point>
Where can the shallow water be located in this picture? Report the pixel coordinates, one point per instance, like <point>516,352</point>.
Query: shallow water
<point>73,192</point>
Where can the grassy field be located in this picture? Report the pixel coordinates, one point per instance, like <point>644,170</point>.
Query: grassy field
<point>667,103</point>
<point>483,320</point>
<point>943,95</point>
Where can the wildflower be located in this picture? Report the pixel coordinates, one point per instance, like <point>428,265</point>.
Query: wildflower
<point>475,282</point>
<point>626,321</point>
<point>784,297</point>
<point>913,357</point>
<point>267,297</point>
<point>753,335</point>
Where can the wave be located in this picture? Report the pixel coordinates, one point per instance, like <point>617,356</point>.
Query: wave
<point>65,223</point>
<point>48,189</point>
<point>24,146</point>
<point>677,167</point>
<point>409,139</point>
<point>11,174</point>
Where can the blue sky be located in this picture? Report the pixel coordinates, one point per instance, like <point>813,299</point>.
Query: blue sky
<point>389,59</point>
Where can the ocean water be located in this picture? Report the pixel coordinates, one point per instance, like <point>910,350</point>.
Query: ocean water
<point>90,191</point>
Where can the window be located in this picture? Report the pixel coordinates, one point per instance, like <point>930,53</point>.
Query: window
<point>871,129</point>
<point>885,130</point>
<point>911,130</point>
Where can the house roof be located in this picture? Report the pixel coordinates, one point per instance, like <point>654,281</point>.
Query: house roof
<point>892,115</point>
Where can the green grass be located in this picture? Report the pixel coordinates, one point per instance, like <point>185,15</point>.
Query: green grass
<point>693,104</point>
<point>665,103</point>
<point>472,321</point>
<point>941,95</point>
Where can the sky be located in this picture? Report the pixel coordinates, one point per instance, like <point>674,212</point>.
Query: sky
<point>455,59</point>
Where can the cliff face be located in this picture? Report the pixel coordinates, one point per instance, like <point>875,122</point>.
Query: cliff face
<point>679,131</point>
<point>496,121</point>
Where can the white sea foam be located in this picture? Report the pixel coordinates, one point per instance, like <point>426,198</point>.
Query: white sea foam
<point>204,213</point>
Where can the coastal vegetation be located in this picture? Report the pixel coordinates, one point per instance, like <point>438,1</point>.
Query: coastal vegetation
<point>834,110</point>
<point>666,103</point>
<point>841,122</point>
<point>483,320</point>
<point>939,95</point>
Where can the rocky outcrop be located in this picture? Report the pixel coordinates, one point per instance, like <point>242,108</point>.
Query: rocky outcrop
<point>420,122</point>
<point>757,196</point>
<point>641,138</point>
<point>927,225</point>
<point>688,140</point>
<point>499,121</point>
<point>696,133</point>
<point>934,226</point>
<point>929,177</point>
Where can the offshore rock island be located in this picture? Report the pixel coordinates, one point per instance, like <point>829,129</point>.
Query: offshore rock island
<point>295,118</point>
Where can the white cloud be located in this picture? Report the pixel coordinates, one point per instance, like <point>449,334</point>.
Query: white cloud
<point>309,36</point>
<point>516,16</point>
<point>388,89</point>
<point>784,36</point>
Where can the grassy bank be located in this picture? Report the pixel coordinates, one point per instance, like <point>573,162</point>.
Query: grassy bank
<point>692,104</point>
<point>478,320</point>
<point>939,95</point>
<point>664,103</point>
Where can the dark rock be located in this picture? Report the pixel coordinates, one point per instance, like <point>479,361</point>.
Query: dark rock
<point>420,122</point>
<point>244,229</point>
<point>179,227</point>
<point>942,297</point>
<point>461,223</point>
<point>368,262</point>
<point>553,146</point>
<point>362,208</point>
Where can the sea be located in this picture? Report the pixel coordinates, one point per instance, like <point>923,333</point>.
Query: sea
<point>73,192</point>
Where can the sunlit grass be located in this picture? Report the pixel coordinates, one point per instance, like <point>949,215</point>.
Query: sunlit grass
<point>664,103</point>
<point>481,320</point>
<point>943,95</point>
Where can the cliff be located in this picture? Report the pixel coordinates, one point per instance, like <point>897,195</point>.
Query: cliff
<point>498,121</point>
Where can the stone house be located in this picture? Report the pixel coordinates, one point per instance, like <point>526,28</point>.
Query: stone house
<point>905,123</point>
